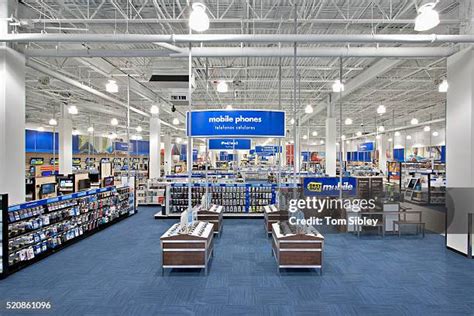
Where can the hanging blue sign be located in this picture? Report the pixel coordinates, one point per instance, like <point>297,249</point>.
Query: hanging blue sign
<point>267,150</point>
<point>366,146</point>
<point>236,123</point>
<point>119,146</point>
<point>329,186</point>
<point>229,144</point>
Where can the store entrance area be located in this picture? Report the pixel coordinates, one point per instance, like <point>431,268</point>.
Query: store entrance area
<point>118,272</point>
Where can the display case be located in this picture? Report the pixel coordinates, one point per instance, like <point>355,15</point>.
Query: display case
<point>191,249</point>
<point>297,246</point>
<point>273,215</point>
<point>3,234</point>
<point>37,229</point>
<point>212,215</point>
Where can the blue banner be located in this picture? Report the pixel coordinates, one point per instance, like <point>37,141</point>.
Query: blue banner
<point>366,146</point>
<point>236,123</point>
<point>329,186</point>
<point>119,146</point>
<point>229,144</point>
<point>267,150</point>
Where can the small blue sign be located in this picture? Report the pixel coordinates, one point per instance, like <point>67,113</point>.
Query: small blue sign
<point>120,146</point>
<point>229,144</point>
<point>366,146</point>
<point>329,186</point>
<point>235,123</point>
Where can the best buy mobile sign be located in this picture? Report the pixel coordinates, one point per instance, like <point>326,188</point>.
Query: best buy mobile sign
<point>235,123</point>
<point>329,186</point>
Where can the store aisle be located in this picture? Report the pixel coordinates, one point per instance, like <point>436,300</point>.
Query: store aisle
<point>117,272</point>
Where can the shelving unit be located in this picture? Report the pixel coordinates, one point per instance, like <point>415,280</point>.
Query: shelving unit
<point>3,229</point>
<point>151,193</point>
<point>37,229</point>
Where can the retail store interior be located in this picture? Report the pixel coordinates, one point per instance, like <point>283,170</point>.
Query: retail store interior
<point>153,155</point>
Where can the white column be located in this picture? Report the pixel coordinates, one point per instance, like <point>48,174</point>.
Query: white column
<point>155,145</point>
<point>298,149</point>
<point>168,147</point>
<point>382,146</point>
<point>12,123</point>
<point>460,147</point>
<point>331,135</point>
<point>283,153</point>
<point>65,142</point>
<point>189,156</point>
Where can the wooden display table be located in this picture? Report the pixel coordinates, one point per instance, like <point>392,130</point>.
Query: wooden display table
<point>273,215</point>
<point>212,215</point>
<point>187,250</point>
<point>302,250</point>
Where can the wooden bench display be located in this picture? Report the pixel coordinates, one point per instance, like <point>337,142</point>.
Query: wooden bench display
<point>273,215</point>
<point>192,249</point>
<point>213,215</point>
<point>293,249</point>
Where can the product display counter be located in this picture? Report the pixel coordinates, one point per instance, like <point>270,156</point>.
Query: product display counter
<point>212,215</point>
<point>190,249</point>
<point>297,246</point>
<point>273,215</point>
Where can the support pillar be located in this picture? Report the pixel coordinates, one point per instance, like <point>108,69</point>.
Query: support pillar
<point>65,142</point>
<point>382,146</point>
<point>331,136</point>
<point>168,148</point>
<point>460,148</point>
<point>12,123</point>
<point>155,147</point>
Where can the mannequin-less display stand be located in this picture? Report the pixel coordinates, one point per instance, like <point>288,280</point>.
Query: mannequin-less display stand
<point>212,215</point>
<point>191,249</point>
<point>297,249</point>
<point>273,215</point>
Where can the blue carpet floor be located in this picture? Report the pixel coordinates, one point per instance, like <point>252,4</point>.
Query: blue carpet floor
<point>117,272</point>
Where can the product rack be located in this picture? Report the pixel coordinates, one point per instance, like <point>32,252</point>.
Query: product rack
<point>37,229</point>
<point>235,197</point>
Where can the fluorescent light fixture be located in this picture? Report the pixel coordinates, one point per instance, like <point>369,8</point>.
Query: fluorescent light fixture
<point>314,133</point>
<point>321,142</point>
<point>198,20</point>
<point>443,86</point>
<point>427,17</point>
<point>390,140</point>
<point>72,110</point>
<point>408,137</point>
<point>111,86</point>
<point>53,122</point>
<point>348,121</point>
<point>228,107</point>
<point>337,86</point>
<point>222,87</point>
<point>397,134</point>
<point>90,129</point>
<point>435,134</point>
<point>381,109</point>
<point>114,122</point>
<point>414,121</point>
<point>175,121</point>
<point>381,129</point>
<point>359,134</point>
<point>305,136</point>
<point>41,129</point>
<point>308,109</point>
<point>427,128</point>
<point>154,109</point>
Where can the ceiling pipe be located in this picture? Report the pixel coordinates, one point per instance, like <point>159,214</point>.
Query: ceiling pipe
<point>362,52</point>
<point>36,66</point>
<point>398,129</point>
<point>237,38</point>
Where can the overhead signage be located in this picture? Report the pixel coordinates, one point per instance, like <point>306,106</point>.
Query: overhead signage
<point>229,144</point>
<point>120,146</point>
<point>329,186</point>
<point>366,146</point>
<point>235,123</point>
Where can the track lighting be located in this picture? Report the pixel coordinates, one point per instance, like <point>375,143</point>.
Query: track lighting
<point>198,20</point>
<point>111,86</point>
<point>308,109</point>
<point>427,17</point>
<point>114,122</point>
